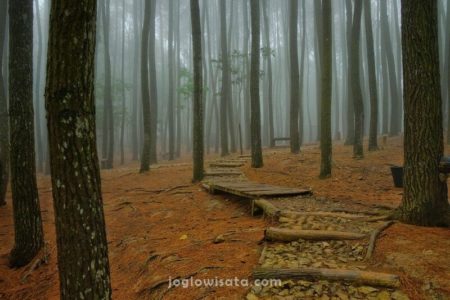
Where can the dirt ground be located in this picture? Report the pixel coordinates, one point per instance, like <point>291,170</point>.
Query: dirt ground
<point>161,226</point>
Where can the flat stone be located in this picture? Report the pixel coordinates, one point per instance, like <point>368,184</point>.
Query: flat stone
<point>384,295</point>
<point>252,296</point>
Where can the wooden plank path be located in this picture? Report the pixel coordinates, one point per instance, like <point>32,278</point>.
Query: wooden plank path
<point>252,190</point>
<point>224,174</point>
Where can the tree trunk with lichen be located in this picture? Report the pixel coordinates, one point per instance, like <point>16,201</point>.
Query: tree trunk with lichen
<point>76,186</point>
<point>425,195</point>
<point>29,237</point>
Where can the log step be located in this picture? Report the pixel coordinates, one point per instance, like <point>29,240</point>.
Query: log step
<point>353,276</point>
<point>289,235</point>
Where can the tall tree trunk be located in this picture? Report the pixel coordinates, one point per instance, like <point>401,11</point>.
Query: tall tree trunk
<point>295,76</point>
<point>198,92</point>
<point>37,92</point>
<point>350,136</point>
<point>153,87</point>
<point>446,76</point>
<point>108,100</point>
<point>246,39</point>
<point>269,73</point>
<point>225,94</point>
<point>395,117</point>
<point>178,106</point>
<point>358,151</point>
<point>257,158</point>
<point>318,57</point>
<point>373,130</point>
<point>4,119</point>
<point>145,157</point>
<point>83,262</point>
<point>302,77</point>
<point>326,94</point>
<point>135,95</point>
<point>28,233</point>
<point>425,195</point>
<point>122,75</point>
<point>171,103</point>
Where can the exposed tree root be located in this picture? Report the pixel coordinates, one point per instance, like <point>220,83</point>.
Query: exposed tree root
<point>373,238</point>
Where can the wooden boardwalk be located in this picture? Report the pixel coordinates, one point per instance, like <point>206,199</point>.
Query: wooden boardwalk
<point>253,190</point>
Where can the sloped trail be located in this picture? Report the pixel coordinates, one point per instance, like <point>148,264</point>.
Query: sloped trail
<point>317,253</point>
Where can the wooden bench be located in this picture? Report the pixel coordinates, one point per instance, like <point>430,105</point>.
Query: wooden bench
<point>275,140</point>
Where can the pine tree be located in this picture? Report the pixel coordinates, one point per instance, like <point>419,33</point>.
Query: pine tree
<point>145,157</point>
<point>4,120</point>
<point>326,72</point>
<point>29,237</point>
<point>198,92</point>
<point>295,76</point>
<point>80,223</point>
<point>257,158</point>
<point>425,194</point>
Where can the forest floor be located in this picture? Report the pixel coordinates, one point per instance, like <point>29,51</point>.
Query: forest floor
<point>161,226</point>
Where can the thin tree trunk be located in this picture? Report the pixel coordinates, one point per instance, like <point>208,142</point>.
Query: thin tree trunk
<point>225,97</point>
<point>134,113</point>
<point>318,57</point>
<point>257,158</point>
<point>395,117</point>
<point>246,39</point>
<point>350,136</point>
<point>37,93</point>
<point>145,157</point>
<point>108,100</point>
<point>373,130</point>
<point>28,233</point>
<point>326,94</point>
<point>269,73</point>
<point>153,87</point>
<point>171,82</point>
<point>295,77</point>
<point>122,125</point>
<point>358,151</point>
<point>302,76</point>
<point>4,119</point>
<point>198,92</point>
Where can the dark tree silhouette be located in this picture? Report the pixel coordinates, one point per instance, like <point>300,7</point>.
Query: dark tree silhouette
<point>226,81</point>
<point>145,157</point>
<point>295,76</point>
<point>27,216</point>
<point>198,92</point>
<point>326,84</point>
<point>80,224</point>
<point>255,121</point>
<point>4,120</point>
<point>425,195</point>
<point>358,151</point>
<point>373,130</point>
